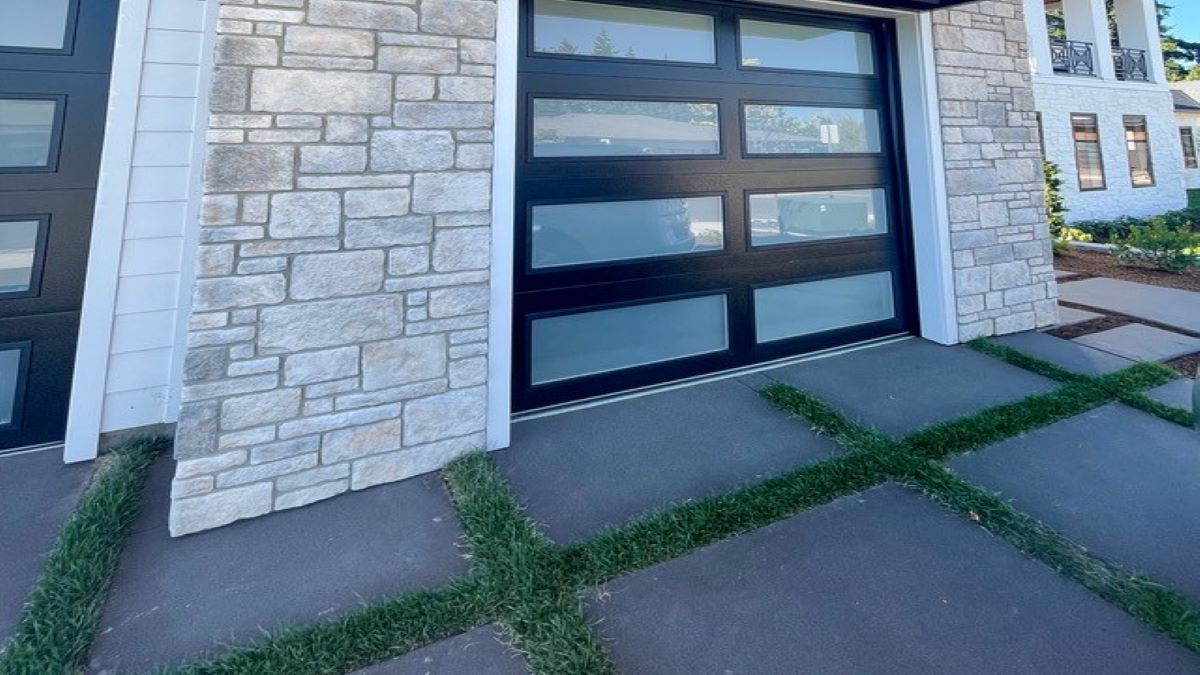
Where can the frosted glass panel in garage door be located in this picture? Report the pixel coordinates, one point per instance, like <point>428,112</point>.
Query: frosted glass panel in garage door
<point>794,310</point>
<point>589,343</point>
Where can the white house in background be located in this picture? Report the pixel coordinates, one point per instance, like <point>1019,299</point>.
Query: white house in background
<point>1107,114</point>
<point>1187,115</point>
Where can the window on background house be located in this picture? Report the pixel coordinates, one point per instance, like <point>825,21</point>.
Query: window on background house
<point>1089,161</point>
<point>1137,141</point>
<point>1188,138</point>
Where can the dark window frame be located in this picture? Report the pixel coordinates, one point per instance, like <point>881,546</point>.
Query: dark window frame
<point>1077,144</point>
<point>1187,137</point>
<point>38,268</point>
<point>1139,120</point>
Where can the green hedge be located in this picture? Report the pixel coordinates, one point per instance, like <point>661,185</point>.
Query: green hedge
<point>1105,231</point>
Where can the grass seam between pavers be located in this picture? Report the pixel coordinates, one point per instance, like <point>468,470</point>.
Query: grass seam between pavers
<point>543,613</point>
<point>1150,375</point>
<point>364,637</point>
<point>62,611</point>
<point>1153,603</point>
<point>521,581</point>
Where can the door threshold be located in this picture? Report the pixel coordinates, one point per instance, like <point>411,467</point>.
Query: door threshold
<point>704,379</point>
<point>14,452</point>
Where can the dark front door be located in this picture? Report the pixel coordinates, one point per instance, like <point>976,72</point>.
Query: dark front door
<point>700,187</point>
<point>55,57</point>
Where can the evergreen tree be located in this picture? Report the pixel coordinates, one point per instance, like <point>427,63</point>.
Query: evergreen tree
<point>567,47</point>
<point>1180,55</point>
<point>1055,207</point>
<point>604,45</point>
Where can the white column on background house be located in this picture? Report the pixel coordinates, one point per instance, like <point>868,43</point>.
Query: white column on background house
<point>1087,21</point>
<point>1040,62</point>
<point>1137,26</point>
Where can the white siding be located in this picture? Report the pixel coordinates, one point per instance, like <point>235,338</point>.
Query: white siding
<point>146,351</point>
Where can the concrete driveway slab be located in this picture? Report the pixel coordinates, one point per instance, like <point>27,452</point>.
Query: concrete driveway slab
<point>478,652</point>
<point>1141,343</point>
<point>883,582</point>
<point>903,386</point>
<point>1176,393</point>
<point>1073,356</point>
<point>1170,306</point>
<point>37,495</point>
<point>581,471</point>
<point>1069,316</point>
<point>174,599</point>
<point>1116,480</point>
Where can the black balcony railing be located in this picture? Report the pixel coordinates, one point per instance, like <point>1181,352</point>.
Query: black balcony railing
<point>1131,64</point>
<point>1072,57</point>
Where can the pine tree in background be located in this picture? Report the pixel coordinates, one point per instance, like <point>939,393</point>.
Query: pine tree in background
<point>604,45</point>
<point>1180,55</point>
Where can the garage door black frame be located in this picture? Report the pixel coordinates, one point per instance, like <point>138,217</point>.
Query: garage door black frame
<point>43,323</point>
<point>738,269</point>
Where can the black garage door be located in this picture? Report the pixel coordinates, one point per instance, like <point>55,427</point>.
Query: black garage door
<point>701,187</point>
<point>55,57</point>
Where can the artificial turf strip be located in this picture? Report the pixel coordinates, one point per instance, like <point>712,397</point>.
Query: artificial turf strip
<point>512,556</point>
<point>63,609</point>
<point>1141,597</point>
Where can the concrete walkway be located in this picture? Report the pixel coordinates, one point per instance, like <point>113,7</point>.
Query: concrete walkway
<point>37,495</point>
<point>1168,306</point>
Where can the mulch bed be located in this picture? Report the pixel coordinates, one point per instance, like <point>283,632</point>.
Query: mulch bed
<point>1188,366</point>
<point>1089,327</point>
<point>1094,264</point>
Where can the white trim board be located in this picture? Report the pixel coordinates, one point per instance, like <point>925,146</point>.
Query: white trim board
<point>190,250</point>
<point>108,230</point>
<point>926,169</point>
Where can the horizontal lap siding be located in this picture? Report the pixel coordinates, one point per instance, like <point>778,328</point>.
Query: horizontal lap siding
<point>147,332</point>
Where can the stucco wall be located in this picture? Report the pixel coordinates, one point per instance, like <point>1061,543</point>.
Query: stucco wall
<point>1004,275</point>
<point>1058,98</point>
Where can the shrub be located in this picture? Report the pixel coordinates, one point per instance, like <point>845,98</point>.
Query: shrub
<point>1112,230</point>
<point>1055,208</point>
<point>1109,230</point>
<point>1173,248</point>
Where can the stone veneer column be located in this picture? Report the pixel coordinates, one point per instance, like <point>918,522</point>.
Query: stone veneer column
<point>1003,262</point>
<point>339,323</point>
